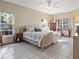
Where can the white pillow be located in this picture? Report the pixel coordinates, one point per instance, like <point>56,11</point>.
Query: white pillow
<point>29,28</point>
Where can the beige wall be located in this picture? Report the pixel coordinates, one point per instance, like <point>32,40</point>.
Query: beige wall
<point>73,14</point>
<point>23,16</point>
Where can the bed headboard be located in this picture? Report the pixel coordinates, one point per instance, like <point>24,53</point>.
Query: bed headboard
<point>26,28</point>
<point>22,29</point>
<point>30,28</point>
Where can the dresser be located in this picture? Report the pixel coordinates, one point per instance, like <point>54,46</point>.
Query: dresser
<point>76,47</point>
<point>6,39</point>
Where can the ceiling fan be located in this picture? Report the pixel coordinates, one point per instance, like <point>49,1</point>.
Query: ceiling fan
<point>50,3</point>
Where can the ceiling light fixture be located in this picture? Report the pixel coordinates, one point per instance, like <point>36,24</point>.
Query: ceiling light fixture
<point>50,4</point>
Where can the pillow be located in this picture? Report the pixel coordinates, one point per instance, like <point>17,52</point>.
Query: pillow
<point>29,28</point>
<point>36,29</point>
<point>45,29</point>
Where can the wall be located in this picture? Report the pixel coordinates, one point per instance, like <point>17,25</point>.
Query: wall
<point>23,16</point>
<point>73,14</point>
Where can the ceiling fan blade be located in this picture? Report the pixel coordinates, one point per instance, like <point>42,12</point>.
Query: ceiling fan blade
<point>55,3</point>
<point>56,6</point>
<point>52,6</point>
<point>49,3</point>
<point>44,2</point>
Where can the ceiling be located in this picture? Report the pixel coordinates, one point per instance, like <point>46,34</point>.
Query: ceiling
<point>63,5</point>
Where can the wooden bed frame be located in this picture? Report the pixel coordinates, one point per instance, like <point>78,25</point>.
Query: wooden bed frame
<point>47,40</point>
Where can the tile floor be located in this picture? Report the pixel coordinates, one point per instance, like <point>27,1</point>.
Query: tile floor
<point>61,50</point>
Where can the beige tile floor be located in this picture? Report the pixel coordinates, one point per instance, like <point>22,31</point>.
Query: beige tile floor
<point>61,50</point>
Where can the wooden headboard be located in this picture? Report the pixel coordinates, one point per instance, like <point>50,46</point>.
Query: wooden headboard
<point>29,28</point>
<point>24,28</point>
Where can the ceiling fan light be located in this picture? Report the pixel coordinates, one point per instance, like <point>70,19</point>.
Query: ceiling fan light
<point>49,8</point>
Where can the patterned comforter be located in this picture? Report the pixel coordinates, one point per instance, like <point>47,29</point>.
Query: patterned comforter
<point>35,36</point>
<point>38,36</point>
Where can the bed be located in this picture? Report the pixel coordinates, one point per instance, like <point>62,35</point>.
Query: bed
<point>41,38</point>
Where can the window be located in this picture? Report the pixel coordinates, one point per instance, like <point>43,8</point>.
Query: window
<point>7,23</point>
<point>62,23</point>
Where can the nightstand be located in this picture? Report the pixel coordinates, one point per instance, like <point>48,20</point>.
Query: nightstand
<point>18,37</point>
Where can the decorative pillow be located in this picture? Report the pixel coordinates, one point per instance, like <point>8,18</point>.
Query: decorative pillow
<point>36,29</point>
<point>29,28</point>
